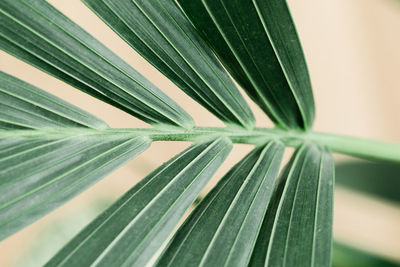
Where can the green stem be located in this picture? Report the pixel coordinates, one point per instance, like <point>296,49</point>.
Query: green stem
<point>358,147</point>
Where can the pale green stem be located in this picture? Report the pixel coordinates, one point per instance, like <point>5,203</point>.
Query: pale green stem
<point>358,147</point>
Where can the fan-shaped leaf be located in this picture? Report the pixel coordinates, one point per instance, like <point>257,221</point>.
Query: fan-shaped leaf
<point>258,44</point>
<point>162,34</point>
<point>297,228</point>
<point>135,226</point>
<point>37,33</point>
<point>224,227</point>
<point>40,170</point>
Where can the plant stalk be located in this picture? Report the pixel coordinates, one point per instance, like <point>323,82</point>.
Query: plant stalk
<point>358,147</point>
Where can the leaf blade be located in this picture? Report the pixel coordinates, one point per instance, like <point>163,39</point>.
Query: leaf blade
<point>130,229</point>
<point>279,25</point>
<point>297,228</point>
<point>40,170</point>
<point>26,198</point>
<point>246,38</point>
<point>220,230</point>
<point>49,111</point>
<point>38,33</point>
<point>159,31</point>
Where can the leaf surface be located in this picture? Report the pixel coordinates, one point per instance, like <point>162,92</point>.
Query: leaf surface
<point>23,106</point>
<point>297,228</point>
<point>224,227</point>
<point>135,226</point>
<point>257,42</point>
<point>40,170</point>
<point>39,34</point>
<point>161,33</point>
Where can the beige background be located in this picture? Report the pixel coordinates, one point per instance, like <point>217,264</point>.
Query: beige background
<point>352,48</point>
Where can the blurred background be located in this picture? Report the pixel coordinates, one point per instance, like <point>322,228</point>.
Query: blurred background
<point>352,50</point>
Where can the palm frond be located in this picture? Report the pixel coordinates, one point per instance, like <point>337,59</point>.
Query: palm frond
<point>162,34</point>
<point>40,170</point>
<point>51,150</point>
<point>297,229</point>
<point>258,43</point>
<point>39,34</point>
<point>224,227</point>
<point>134,227</point>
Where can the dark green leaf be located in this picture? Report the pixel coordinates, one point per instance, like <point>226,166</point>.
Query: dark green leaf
<point>261,246</point>
<point>300,233</point>
<point>135,226</point>
<point>258,44</point>
<point>37,33</point>
<point>40,170</point>
<point>345,256</point>
<point>161,33</point>
<point>224,227</point>
<point>381,179</point>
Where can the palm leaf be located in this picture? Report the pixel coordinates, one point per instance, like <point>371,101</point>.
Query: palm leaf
<point>49,152</point>
<point>380,179</point>
<point>24,106</point>
<point>161,33</point>
<point>301,232</point>
<point>224,227</point>
<point>37,33</point>
<point>258,43</point>
<point>135,226</point>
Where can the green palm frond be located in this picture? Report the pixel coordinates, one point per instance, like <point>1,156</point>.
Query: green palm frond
<point>141,220</point>
<point>168,41</point>
<point>39,34</point>
<point>258,42</point>
<point>42,169</point>
<point>301,233</point>
<point>217,232</point>
<point>51,151</point>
